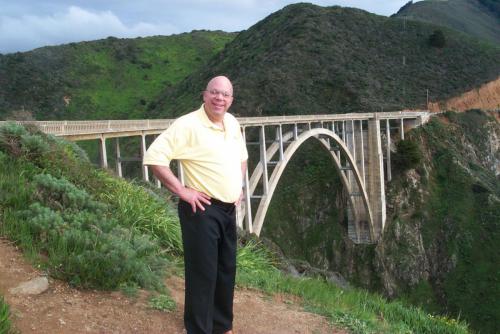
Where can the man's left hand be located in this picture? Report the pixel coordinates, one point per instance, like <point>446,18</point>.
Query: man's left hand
<point>238,201</point>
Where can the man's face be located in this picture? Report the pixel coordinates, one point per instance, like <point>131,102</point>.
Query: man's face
<point>218,97</point>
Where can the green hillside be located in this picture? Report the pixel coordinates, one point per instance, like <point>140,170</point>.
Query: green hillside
<point>479,18</point>
<point>106,79</point>
<point>306,59</point>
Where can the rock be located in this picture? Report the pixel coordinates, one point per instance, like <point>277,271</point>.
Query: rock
<point>34,287</point>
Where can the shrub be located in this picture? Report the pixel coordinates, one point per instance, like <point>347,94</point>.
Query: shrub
<point>437,39</point>
<point>408,155</point>
<point>84,244</point>
<point>10,135</point>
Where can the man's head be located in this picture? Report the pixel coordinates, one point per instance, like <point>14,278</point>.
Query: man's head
<point>218,97</point>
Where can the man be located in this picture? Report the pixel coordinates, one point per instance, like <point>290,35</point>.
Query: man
<point>209,145</point>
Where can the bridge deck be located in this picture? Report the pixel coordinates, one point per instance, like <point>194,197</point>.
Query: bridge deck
<point>81,130</point>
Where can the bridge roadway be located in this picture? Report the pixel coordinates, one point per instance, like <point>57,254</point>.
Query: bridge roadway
<point>359,150</point>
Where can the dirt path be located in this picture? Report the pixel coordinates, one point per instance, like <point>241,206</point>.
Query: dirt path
<point>62,309</point>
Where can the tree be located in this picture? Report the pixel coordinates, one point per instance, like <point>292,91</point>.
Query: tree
<point>408,155</point>
<point>437,39</point>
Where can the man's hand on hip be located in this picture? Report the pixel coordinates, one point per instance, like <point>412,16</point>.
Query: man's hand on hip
<point>238,202</point>
<point>195,198</point>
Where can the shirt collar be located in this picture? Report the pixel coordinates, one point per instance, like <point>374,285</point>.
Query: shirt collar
<point>202,114</point>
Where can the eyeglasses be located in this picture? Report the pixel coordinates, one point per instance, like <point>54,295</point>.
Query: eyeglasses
<point>215,92</point>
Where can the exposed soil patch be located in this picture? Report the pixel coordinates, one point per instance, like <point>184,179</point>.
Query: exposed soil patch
<point>486,97</point>
<point>63,309</point>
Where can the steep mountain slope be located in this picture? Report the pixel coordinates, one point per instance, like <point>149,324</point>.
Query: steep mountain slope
<point>106,79</point>
<point>446,213</point>
<point>439,249</point>
<point>478,18</point>
<point>306,59</point>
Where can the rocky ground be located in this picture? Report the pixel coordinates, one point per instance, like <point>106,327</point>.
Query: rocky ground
<point>63,309</point>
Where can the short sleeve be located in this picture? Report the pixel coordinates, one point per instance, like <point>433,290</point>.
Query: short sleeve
<point>165,147</point>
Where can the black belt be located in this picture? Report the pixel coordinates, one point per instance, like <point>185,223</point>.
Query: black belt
<point>226,206</point>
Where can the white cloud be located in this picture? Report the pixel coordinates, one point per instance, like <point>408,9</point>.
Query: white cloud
<point>75,24</point>
<point>27,24</point>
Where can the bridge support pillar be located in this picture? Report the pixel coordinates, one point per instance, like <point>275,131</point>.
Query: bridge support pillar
<point>375,177</point>
<point>102,152</point>
<point>360,147</point>
<point>388,150</point>
<point>402,128</point>
<point>118,158</point>
<point>145,171</point>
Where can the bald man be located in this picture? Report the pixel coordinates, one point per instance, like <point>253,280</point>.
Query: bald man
<point>210,147</point>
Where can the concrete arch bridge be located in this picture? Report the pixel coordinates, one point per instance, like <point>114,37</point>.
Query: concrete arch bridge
<point>359,145</point>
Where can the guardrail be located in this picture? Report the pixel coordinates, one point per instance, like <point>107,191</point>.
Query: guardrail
<point>72,128</point>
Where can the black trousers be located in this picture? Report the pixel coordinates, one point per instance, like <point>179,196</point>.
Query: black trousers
<point>209,239</point>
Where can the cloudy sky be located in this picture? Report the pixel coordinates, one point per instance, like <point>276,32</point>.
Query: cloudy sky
<point>28,24</point>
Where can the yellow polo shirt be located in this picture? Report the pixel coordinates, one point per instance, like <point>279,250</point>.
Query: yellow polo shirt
<point>210,157</point>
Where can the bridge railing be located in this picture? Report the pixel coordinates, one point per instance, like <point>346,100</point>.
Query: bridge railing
<point>62,128</point>
<point>68,128</point>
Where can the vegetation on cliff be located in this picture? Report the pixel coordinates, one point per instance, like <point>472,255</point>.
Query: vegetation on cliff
<point>439,248</point>
<point>452,202</point>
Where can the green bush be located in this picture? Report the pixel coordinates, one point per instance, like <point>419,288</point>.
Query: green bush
<point>408,155</point>
<point>10,135</point>
<point>85,244</point>
<point>437,39</point>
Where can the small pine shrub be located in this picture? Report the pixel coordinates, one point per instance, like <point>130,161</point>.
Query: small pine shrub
<point>84,243</point>
<point>60,193</point>
<point>10,135</point>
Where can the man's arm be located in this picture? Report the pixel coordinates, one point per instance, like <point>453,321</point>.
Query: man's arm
<point>169,180</point>
<point>243,169</point>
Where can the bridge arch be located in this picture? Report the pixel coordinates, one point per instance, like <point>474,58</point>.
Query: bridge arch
<point>324,136</point>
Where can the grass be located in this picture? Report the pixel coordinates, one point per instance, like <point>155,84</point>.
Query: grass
<point>356,310</point>
<point>162,302</point>
<point>5,325</point>
<point>90,229</point>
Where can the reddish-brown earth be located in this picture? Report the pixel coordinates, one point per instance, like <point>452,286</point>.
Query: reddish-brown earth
<point>486,97</point>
